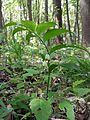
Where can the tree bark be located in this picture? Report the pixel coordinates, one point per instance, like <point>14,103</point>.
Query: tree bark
<point>1,18</point>
<point>58,17</point>
<point>85,14</point>
<point>77,20</point>
<point>46,10</point>
<point>68,21</point>
<point>29,4</point>
<point>58,13</point>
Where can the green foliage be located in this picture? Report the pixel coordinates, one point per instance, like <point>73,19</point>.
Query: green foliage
<point>58,47</point>
<point>2,37</point>
<point>69,109</point>
<point>30,25</point>
<point>41,108</point>
<point>53,33</point>
<point>30,72</point>
<point>18,29</point>
<point>52,67</point>
<point>81,91</point>
<point>10,24</point>
<point>41,28</point>
<point>78,82</point>
<point>20,102</point>
<point>35,67</point>
<point>4,111</point>
<point>78,90</point>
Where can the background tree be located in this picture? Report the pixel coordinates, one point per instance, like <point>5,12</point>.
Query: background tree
<point>1,18</point>
<point>85,14</point>
<point>29,4</point>
<point>46,10</point>
<point>58,15</point>
<point>68,21</point>
<point>37,11</point>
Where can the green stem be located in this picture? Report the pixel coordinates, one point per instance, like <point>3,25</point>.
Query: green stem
<point>41,39</point>
<point>48,64</point>
<point>48,83</point>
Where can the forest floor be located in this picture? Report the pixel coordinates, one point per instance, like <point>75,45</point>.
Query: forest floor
<point>82,111</point>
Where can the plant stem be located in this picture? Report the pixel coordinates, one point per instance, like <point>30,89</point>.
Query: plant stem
<point>41,39</point>
<point>48,64</point>
<point>48,83</point>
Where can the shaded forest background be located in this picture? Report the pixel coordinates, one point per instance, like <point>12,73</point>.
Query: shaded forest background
<point>66,13</point>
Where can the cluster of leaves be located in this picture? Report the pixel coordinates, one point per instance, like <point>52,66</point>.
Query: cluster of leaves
<point>30,89</point>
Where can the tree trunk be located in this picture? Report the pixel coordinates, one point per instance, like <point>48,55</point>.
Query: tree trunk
<point>58,13</point>
<point>24,10</point>
<point>37,11</point>
<point>68,21</point>
<point>77,20</point>
<point>29,4</point>
<point>46,10</point>
<point>58,17</point>
<point>85,14</point>
<point>1,14</point>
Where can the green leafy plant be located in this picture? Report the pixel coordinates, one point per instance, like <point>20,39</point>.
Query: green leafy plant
<point>44,32</point>
<point>69,109</point>
<point>41,108</point>
<point>4,111</point>
<point>79,91</point>
<point>37,31</point>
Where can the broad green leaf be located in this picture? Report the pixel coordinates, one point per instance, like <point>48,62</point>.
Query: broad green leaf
<point>60,46</point>
<point>52,67</point>
<point>69,109</point>
<point>53,33</point>
<point>57,47</point>
<point>41,108</point>
<point>20,85</point>
<point>42,27</point>
<point>10,24</point>
<point>30,25</point>
<point>78,82</point>
<point>81,91</point>
<point>18,29</point>
<point>29,35</point>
